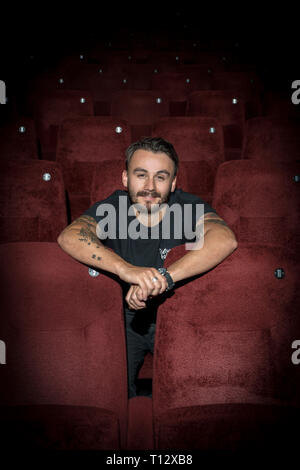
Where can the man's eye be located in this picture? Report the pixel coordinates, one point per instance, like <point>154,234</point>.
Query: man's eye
<point>141,175</point>
<point>161,178</point>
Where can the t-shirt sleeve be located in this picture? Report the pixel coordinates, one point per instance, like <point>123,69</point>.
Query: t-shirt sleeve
<point>91,211</point>
<point>105,214</point>
<point>100,208</point>
<point>207,207</point>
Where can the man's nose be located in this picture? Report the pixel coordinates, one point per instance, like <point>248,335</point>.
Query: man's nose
<point>150,183</point>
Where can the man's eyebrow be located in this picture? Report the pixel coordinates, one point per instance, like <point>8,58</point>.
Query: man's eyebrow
<point>143,169</point>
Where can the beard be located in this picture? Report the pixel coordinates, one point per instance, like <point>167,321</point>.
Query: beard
<point>148,206</point>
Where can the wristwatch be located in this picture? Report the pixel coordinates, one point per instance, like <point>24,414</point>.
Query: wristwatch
<point>164,272</point>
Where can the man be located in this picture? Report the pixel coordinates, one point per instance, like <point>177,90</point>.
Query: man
<point>137,256</point>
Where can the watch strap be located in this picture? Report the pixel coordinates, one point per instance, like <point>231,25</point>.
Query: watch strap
<point>167,275</point>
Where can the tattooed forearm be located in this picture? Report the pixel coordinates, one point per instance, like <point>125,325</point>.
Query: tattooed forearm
<point>88,236</point>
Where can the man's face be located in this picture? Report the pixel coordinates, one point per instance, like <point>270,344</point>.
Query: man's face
<point>149,178</point>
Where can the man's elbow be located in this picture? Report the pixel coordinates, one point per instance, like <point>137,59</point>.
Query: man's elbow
<point>61,239</point>
<point>233,243</point>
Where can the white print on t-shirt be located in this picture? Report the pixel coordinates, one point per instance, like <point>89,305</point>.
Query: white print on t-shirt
<point>164,252</point>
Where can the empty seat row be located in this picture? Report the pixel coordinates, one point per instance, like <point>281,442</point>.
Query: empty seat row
<point>268,138</point>
<point>141,109</point>
<point>223,378</point>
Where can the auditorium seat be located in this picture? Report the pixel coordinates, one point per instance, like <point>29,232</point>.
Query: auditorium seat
<point>199,144</point>
<point>272,139</point>
<point>41,84</point>
<point>51,109</point>
<point>177,86</point>
<point>140,109</point>
<point>260,201</point>
<point>33,203</point>
<point>223,376</point>
<point>228,109</point>
<point>247,85</point>
<point>83,143</point>
<point>64,385</point>
<point>140,75</point>
<point>279,103</point>
<point>109,171</point>
<point>18,140</point>
<point>101,81</point>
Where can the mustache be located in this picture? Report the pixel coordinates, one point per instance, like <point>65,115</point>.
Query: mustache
<point>148,193</point>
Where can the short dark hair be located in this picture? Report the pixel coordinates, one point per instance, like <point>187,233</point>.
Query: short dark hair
<point>155,145</point>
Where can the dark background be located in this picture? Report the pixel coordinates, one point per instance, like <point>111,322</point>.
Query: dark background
<point>35,36</point>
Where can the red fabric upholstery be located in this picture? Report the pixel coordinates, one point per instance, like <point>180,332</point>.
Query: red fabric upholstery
<point>140,75</point>
<point>279,104</point>
<point>58,427</point>
<point>140,424</point>
<point>259,201</point>
<point>246,85</point>
<point>32,209</point>
<point>260,431</point>
<point>177,86</point>
<point>219,373</point>
<point>103,85</point>
<point>271,139</point>
<point>84,143</point>
<point>220,105</point>
<point>52,108</point>
<point>140,108</point>
<point>66,352</point>
<point>106,179</point>
<point>18,140</point>
<point>200,151</point>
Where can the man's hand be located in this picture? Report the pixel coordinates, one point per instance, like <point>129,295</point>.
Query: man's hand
<point>134,298</point>
<point>150,281</point>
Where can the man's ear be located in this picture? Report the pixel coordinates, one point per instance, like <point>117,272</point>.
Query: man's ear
<point>125,178</point>
<point>173,186</point>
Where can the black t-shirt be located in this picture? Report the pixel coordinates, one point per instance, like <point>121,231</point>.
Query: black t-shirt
<point>151,249</point>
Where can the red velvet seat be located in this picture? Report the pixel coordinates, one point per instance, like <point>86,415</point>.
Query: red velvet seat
<point>140,75</point>
<point>279,103</point>
<point>228,108</point>
<point>110,172</point>
<point>101,82</point>
<point>272,139</point>
<point>33,203</point>
<point>51,109</point>
<point>259,201</point>
<point>64,384</point>
<point>221,380</point>
<point>247,85</point>
<point>199,144</point>
<point>177,86</point>
<point>140,108</point>
<point>18,140</point>
<point>83,143</point>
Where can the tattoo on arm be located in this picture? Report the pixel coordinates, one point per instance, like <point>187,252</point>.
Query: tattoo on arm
<point>96,257</point>
<point>88,236</point>
<point>215,218</point>
<point>87,230</point>
<point>216,221</point>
